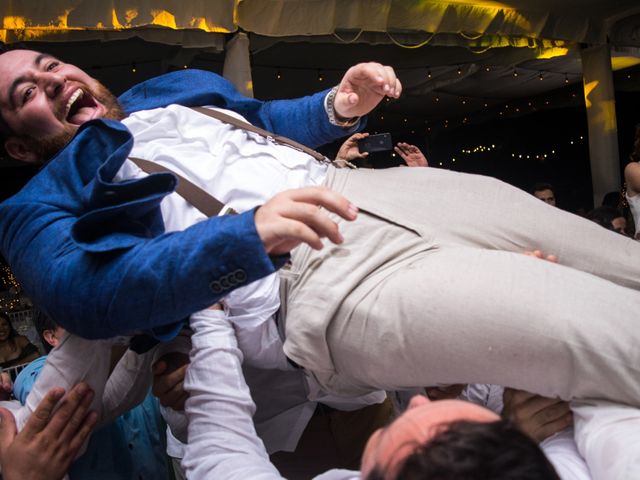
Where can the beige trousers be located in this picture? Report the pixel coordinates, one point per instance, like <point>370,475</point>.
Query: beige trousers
<point>431,286</point>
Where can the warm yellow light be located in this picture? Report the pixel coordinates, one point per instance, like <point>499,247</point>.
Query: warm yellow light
<point>620,63</point>
<point>588,88</point>
<point>14,23</point>
<point>114,19</point>
<point>551,52</point>
<point>163,18</point>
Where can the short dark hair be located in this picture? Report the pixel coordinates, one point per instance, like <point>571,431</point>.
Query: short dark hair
<point>540,186</point>
<point>476,451</point>
<point>604,216</point>
<point>42,322</point>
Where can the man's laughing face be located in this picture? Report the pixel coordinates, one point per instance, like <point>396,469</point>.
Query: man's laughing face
<point>43,101</point>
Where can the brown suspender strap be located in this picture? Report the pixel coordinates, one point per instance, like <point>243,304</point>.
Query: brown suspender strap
<point>196,196</point>
<point>223,117</point>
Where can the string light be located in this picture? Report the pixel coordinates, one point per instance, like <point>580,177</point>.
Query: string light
<point>428,73</point>
<point>320,77</point>
<point>278,74</point>
<point>566,78</point>
<point>133,68</point>
<point>515,72</point>
<point>10,283</point>
<point>541,77</point>
<point>459,70</point>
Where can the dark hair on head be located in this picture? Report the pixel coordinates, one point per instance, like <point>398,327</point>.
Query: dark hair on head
<point>612,199</point>
<point>604,216</point>
<point>42,322</point>
<point>476,451</point>
<point>539,186</point>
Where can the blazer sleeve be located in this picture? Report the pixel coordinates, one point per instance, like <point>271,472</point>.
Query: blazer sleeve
<point>303,119</point>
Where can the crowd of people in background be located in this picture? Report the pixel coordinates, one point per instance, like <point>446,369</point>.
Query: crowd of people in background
<point>248,388</point>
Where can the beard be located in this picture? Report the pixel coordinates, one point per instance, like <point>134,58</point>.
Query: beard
<point>46,148</point>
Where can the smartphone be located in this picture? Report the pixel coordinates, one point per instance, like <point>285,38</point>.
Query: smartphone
<point>376,143</point>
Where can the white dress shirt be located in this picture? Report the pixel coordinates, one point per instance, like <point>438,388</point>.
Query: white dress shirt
<point>222,440</point>
<point>242,170</point>
<point>560,449</point>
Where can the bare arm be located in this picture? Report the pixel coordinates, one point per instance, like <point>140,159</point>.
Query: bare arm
<point>632,177</point>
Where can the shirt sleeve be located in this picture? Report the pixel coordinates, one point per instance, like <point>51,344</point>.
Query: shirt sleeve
<point>222,439</point>
<point>251,310</point>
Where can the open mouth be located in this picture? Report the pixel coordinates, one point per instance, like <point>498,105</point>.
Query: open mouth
<point>81,107</point>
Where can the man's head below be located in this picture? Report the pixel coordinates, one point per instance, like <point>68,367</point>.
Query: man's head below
<point>545,192</point>
<point>452,439</point>
<point>43,101</point>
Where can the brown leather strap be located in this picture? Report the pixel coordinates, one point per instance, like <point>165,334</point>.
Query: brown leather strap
<point>223,117</point>
<point>196,196</point>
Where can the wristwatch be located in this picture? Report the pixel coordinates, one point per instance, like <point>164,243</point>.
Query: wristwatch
<point>334,117</point>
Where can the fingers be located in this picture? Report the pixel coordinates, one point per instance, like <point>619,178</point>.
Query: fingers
<point>363,86</point>
<point>7,430</point>
<point>443,392</point>
<point>39,419</point>
<point>358,136</point>
<point>5,382</point>
<point>79,404</point>
<point>159,368</point>
<point>552,427</point>
<point>64,422</point>
<point>169,388</point>
<point>383,78</point>
<point>81,434</point>
<point>293,217</point>
<point>540,254</point>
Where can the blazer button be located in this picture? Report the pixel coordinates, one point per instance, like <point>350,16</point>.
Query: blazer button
<point>224,282</point>
<point>239,275</point>
<point>215,287</point>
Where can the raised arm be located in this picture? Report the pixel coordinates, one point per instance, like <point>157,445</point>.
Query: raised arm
<point>222,439</point>
<point>305,119</point>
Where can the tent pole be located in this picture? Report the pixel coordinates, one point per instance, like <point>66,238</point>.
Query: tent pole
<point>237,64</point>
<point>601,117</point>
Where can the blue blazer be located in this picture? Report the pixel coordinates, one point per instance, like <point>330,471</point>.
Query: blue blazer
<point>93,253</point>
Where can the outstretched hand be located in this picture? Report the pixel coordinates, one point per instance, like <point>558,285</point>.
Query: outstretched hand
<point>539,417</point>
<point>50,440</point>
<point>363,87</point>
<point>168,380</point>
<point>349,150</point>
<point>411,155</point>
<point>6,386</point>
<point>293,217</point>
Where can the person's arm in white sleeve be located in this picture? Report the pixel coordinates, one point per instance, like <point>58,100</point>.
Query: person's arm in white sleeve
<point>222,439</point>
<point>251,310</point>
